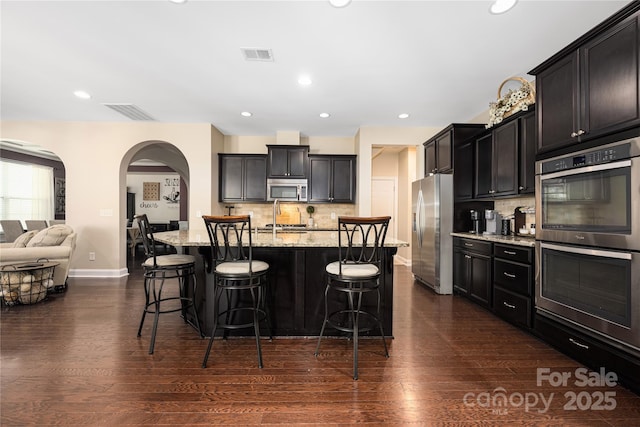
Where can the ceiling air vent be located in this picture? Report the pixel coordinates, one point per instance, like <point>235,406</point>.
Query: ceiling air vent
<point>257,54</point>
<point>131,111</point>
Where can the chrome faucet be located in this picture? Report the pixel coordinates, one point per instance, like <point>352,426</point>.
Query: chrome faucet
<point>276,211</point>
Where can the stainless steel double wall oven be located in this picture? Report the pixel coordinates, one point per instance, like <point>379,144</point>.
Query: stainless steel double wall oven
<point>588,240</point>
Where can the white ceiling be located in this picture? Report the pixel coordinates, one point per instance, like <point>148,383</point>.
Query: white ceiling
<point>439,61</point>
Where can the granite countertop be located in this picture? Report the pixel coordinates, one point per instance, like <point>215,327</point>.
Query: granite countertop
<point>497,238</point>
<point>327,239</point>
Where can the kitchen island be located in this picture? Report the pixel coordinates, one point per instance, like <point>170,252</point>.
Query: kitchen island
<point>297,280</point>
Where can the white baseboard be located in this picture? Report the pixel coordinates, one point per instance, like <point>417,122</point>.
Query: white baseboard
<point>402,260</point>
<point>98,273</point>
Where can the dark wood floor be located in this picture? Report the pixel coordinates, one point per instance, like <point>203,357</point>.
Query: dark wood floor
<point>74,359</point>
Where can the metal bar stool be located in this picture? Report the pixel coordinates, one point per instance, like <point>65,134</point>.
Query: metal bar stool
<point>356,273</point>
<point>237,276</point>
<point>157,270</point>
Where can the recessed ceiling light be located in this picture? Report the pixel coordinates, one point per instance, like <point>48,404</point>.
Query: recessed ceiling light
<point>246,114</point>
<point>502,6</point>
<point>82,94</point>
<point>304,80</point>
<point>339,3</point>
<point>403,116</point>
<point>324,115</point>
<point>178,1</point>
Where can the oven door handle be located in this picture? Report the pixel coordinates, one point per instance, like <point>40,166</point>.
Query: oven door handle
<point>585,251</point>
<point>587,169</point>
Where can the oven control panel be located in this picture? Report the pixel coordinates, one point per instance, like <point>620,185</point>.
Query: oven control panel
<point>594,157</point>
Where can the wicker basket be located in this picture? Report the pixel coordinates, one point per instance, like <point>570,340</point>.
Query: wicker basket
<point>26,283</point>
<point>511,102</point>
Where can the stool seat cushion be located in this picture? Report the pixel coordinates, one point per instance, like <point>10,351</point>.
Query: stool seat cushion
<point>241,267</point>
<point>352,270</point>
<point>170,260</point>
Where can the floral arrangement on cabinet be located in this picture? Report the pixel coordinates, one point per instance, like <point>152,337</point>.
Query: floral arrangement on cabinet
<point>512,102</point>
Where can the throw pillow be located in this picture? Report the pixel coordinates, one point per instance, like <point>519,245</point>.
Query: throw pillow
<point>22,240</point>
<point>51,236</point>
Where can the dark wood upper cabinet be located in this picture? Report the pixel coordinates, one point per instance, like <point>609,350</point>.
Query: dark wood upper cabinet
<point>332,178</point>
<point>527,153</point>
<point>483,166</point>
<point>463,179</point>
<point>496,161</point>
<point>591,88</point>
<point>505,159</point>
<point>288,161</point>
<point>242,178</point>
<point>439,149</point>
<point>430,160</point>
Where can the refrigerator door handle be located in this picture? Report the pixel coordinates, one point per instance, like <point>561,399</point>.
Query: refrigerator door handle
<point>419,209</point>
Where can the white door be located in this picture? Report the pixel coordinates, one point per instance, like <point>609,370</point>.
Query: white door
<point>384,201</point>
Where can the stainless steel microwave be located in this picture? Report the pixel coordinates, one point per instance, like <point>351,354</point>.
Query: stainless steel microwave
<point>287,190</point>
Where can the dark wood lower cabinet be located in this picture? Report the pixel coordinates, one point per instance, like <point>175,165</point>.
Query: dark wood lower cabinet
<point>513,283</point>
<point>296,290</point>
<point>472,270</point>
<point>592,352</point>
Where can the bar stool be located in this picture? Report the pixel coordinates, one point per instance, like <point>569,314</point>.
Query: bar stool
<point>158,269</point>
<point>237,276</point>
<point>355,274</point>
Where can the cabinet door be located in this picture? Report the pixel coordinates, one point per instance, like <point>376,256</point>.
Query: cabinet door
<point>319,178</point>
<point>255,179</point>
<point>610,80</point>
<point>343,183</point>
<point>483,166</point>
<point>527,153</point>
<point>298,160</point>
<point>480,280</point>
<point>278,162</point>
<point>230,183</point>
<point>463,178</point>
<point>461,271</point>
<point>505,159</point>
<point>557,104</point>
<point>443,153</point>
<point>430,158</point>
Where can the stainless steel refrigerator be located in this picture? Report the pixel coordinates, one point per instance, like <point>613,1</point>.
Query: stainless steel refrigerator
<point>431,241</point>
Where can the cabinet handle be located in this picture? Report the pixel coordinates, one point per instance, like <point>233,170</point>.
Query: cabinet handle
<point>467,256</point>
<point>470,245</point>
<point>573,134</point>
<point>576,343</point>
<point>509,252</point>
<point>512,276</point>
<point>521,188</point>
<point>581,132</point>
<point>506,304</point>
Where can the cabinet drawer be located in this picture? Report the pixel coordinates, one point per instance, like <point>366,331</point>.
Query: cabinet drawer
<point>513,253</point>
<point>513,276</point>
<point>590,351</point>
<point>512,307</point>
<point>471,245</point>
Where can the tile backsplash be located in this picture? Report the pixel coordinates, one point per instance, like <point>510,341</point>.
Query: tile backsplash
<point>506,207</point>
<point>263,212</point>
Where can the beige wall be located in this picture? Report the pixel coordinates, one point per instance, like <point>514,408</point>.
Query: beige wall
<point>368,136</point>
<point>96,156</point>
<point>317,145</point>
<point>406,175</point>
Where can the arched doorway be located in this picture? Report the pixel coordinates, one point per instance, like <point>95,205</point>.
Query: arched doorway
<point>154,179</point>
